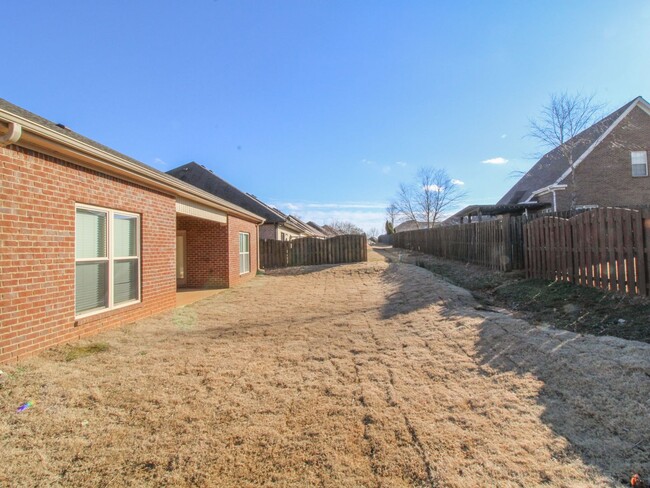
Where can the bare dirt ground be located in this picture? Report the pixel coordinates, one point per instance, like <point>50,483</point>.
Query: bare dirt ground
<point>372,374</point>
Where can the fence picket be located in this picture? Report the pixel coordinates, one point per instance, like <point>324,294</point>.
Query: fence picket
<point>308,251</point>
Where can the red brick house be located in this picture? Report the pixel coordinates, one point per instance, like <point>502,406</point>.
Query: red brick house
<point>276,225</point>
<point>92,239</point>
<point>610,164</point>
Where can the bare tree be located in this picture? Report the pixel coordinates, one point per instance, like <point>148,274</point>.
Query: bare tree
<point>346,227</point>
<point>406,203</point>
<point>429,198</point>
<point>392,212</point>
<point>373,232</point>
<point>560,125</point>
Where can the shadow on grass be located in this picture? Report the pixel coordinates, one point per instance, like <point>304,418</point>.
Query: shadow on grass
<point>596,390</point>
<point>411,296</point>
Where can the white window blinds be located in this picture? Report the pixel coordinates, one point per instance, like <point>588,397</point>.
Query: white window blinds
<point>244,253</point>
<point>107,268</point>
<point>639,163</point>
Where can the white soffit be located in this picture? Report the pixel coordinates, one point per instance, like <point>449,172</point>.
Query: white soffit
<point>193,209</point>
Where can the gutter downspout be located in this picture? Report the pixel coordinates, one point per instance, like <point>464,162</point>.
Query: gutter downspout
<point>12,136</point>
<point>554,202</point>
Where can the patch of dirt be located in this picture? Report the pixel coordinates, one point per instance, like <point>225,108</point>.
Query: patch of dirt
<point>541,302</point>
<point>371,374</point>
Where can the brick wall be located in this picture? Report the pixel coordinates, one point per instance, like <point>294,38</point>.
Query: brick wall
<point>604,178</point>
<point>235,226</point>
<point>207,252</point>
<point>37,261</point>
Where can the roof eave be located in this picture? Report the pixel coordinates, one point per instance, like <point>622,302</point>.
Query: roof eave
<point>43,139</point>
<point>637,102</point>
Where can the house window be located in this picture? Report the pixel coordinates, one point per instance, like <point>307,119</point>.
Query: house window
<point>244,253</point>
<point>639,163</point>
<point>107,259</point>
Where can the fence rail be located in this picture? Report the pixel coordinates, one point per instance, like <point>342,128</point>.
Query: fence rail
<point>308,251</point>
<point>604,248</point>
<point>493,243</point>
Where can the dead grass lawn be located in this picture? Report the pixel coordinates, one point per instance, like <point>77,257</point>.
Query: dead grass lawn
<point>371,374</point>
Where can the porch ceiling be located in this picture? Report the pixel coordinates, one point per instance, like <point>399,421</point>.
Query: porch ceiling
<point>193,209</point>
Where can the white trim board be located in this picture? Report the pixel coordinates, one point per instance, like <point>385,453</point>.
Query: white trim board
<point>638,101</point>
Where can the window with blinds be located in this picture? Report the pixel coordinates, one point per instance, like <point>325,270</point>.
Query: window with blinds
<point>107,264</point>
<point>639,163</point>
<point>244,253</point>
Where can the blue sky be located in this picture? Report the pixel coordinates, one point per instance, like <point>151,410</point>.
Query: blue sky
<point>322,107</point>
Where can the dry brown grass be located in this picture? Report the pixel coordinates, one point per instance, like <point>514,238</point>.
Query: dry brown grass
<point>359,375</point>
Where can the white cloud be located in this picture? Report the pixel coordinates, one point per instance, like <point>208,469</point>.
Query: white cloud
<point>498,160</point>
<point>159,163</point>
<point>457,182</point>
<point>433,188</point>
<point>385,169</point>
<point>503,136</point>
<point>368,162</point>
<point>364,214</point>
<point>400,163</point>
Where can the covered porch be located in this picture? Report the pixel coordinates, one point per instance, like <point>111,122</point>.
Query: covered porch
<point>201,251</point>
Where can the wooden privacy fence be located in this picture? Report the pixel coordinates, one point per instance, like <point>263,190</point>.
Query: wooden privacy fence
<point>604,248</point>
<point>497,244</point>
<point>309,251</point>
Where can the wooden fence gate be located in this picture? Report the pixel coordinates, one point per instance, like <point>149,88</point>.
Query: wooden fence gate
<point>308,251</point>
<point>603,248</point>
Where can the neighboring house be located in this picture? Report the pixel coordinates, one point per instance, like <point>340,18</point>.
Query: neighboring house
<point>410,225</point>
<point>275,222</point>
<point>331,231</point>
<point>307,230</point>
<point>610,164</point>
<point>280,227</point>
<point>91,239</point>
<point>318,228</point>
<point>492,212</point>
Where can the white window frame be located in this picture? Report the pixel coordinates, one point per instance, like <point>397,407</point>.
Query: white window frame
<point>110,258</point>
<point>645,156</point>
<point>245,253</point>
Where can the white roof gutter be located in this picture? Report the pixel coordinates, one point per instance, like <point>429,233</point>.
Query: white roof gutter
<point>548,189</point>
<point>43,139</point>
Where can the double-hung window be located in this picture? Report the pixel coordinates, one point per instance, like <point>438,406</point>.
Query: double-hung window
<point>107,263</point>
<point>639,163</point>
<point>244,253</point>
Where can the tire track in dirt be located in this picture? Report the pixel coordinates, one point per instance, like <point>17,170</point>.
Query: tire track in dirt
<point>392,401</point>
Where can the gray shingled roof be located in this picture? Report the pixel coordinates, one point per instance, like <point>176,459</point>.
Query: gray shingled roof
<point>195,174</point>
<point>553,164</point>
<point>306,228</point>
<point>331,231</point>
<point>37,119</point>
<point>21,112</point>
<point>317,227</point>
<point>410,225</point>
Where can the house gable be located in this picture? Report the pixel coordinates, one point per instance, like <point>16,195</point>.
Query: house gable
<point>552,168</point>
<point>604,177</point>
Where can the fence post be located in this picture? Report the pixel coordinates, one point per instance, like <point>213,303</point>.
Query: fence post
<point>506,259</point>
<point>645,221</point>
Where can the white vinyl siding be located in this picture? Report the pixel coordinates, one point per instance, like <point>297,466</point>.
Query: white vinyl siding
<point>639,163</point>
<point>244,253</point>
<point>107,263</point>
